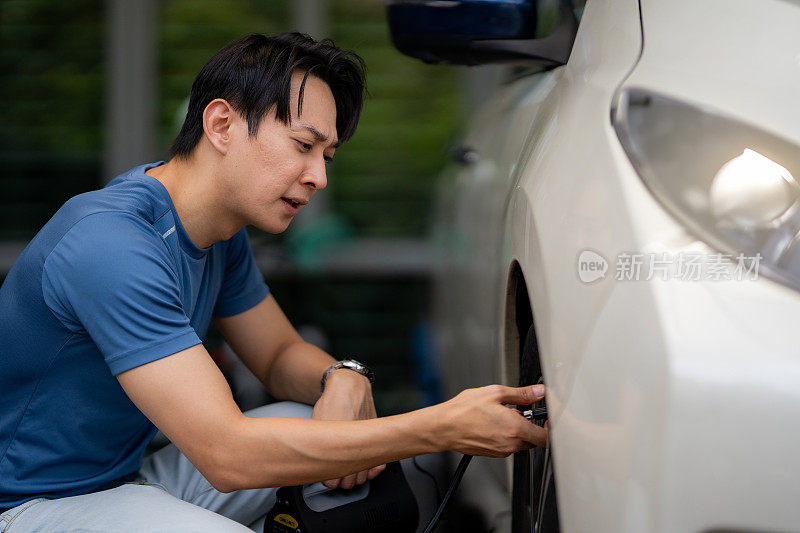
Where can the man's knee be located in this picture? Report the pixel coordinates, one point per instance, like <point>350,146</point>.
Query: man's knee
<point>281,409</point>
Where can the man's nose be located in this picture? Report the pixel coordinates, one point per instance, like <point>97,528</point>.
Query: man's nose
<point>315,177</point>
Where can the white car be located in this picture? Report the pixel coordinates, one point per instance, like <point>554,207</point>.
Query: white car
<point>625,226</point>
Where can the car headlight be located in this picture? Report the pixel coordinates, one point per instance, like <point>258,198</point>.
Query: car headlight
<point>730,183</point>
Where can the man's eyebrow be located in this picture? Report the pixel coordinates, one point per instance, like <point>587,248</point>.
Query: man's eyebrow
<point>321,137</point>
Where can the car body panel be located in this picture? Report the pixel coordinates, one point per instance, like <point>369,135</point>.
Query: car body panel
<point>744,73</point>
<point>670,401</point>
<point>516,130</point>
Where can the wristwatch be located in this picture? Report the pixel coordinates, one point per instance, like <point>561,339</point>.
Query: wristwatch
<point>349,364</point>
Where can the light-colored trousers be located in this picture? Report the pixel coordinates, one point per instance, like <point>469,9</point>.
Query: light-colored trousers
<point>170,495</point>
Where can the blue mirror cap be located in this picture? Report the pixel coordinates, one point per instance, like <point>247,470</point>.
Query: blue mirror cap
<point>471,19</point>
<point>450,32</point>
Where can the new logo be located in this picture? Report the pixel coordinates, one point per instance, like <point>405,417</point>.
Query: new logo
<point>591,266</point>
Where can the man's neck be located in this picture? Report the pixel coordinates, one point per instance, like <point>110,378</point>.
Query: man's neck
<point>202,212</point>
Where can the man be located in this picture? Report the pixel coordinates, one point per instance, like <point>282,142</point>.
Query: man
<point>103,315</point>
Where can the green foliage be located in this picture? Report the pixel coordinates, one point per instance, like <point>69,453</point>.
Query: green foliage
<point>190,32</point>
<point>52,86</point>
<point>51,74</point>
<point>52,59</point>
<point>383,178</point>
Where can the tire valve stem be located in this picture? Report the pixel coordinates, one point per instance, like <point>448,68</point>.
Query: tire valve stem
<point>539,412</point>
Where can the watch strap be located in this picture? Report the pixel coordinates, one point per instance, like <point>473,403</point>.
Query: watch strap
<point>349,364</point>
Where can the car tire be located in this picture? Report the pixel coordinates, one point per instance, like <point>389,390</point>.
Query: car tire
<point>534,508</point>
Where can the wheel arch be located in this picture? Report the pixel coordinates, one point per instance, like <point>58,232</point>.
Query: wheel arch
<point>518,318</point>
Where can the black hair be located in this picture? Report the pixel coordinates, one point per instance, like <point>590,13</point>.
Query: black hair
<point>254,75</point>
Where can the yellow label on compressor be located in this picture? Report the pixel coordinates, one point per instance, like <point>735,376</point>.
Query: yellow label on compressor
<point>286,520</point>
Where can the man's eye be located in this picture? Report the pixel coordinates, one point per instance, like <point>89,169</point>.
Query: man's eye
<point>305,146</point>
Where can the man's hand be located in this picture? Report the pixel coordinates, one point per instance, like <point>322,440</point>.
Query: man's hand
<point>480,424</point>
<point>347,396</point>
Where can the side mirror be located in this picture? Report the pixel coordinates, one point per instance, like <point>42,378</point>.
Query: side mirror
<point>476,32</point>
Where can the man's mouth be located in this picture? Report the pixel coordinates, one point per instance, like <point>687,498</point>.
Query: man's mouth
<point>294,203</point>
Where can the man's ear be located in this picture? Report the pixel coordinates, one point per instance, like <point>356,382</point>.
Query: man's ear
<point>219,122</point>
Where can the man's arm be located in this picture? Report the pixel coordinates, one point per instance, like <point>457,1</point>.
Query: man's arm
<point>186,396</point>
<point>267,343</point>
<point>291,369</point>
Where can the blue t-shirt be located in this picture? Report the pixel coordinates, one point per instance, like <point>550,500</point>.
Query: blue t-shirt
<point>110,283</point>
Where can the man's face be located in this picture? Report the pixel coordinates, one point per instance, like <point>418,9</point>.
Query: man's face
<point>275,173</point>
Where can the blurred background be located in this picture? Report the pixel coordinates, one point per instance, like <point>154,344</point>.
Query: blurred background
<point>91,88</point>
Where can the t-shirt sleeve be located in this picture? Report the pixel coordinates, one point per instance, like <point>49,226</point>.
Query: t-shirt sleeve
<point>112,276</point>
<point>243,285</point>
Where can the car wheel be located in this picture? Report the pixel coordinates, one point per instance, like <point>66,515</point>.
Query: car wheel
<point>533,503</point>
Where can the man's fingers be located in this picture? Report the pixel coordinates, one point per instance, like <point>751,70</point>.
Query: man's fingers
<point>521,395</point>
<point>348,482</point>
<point>535,435</point>
<point>374,471</point>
